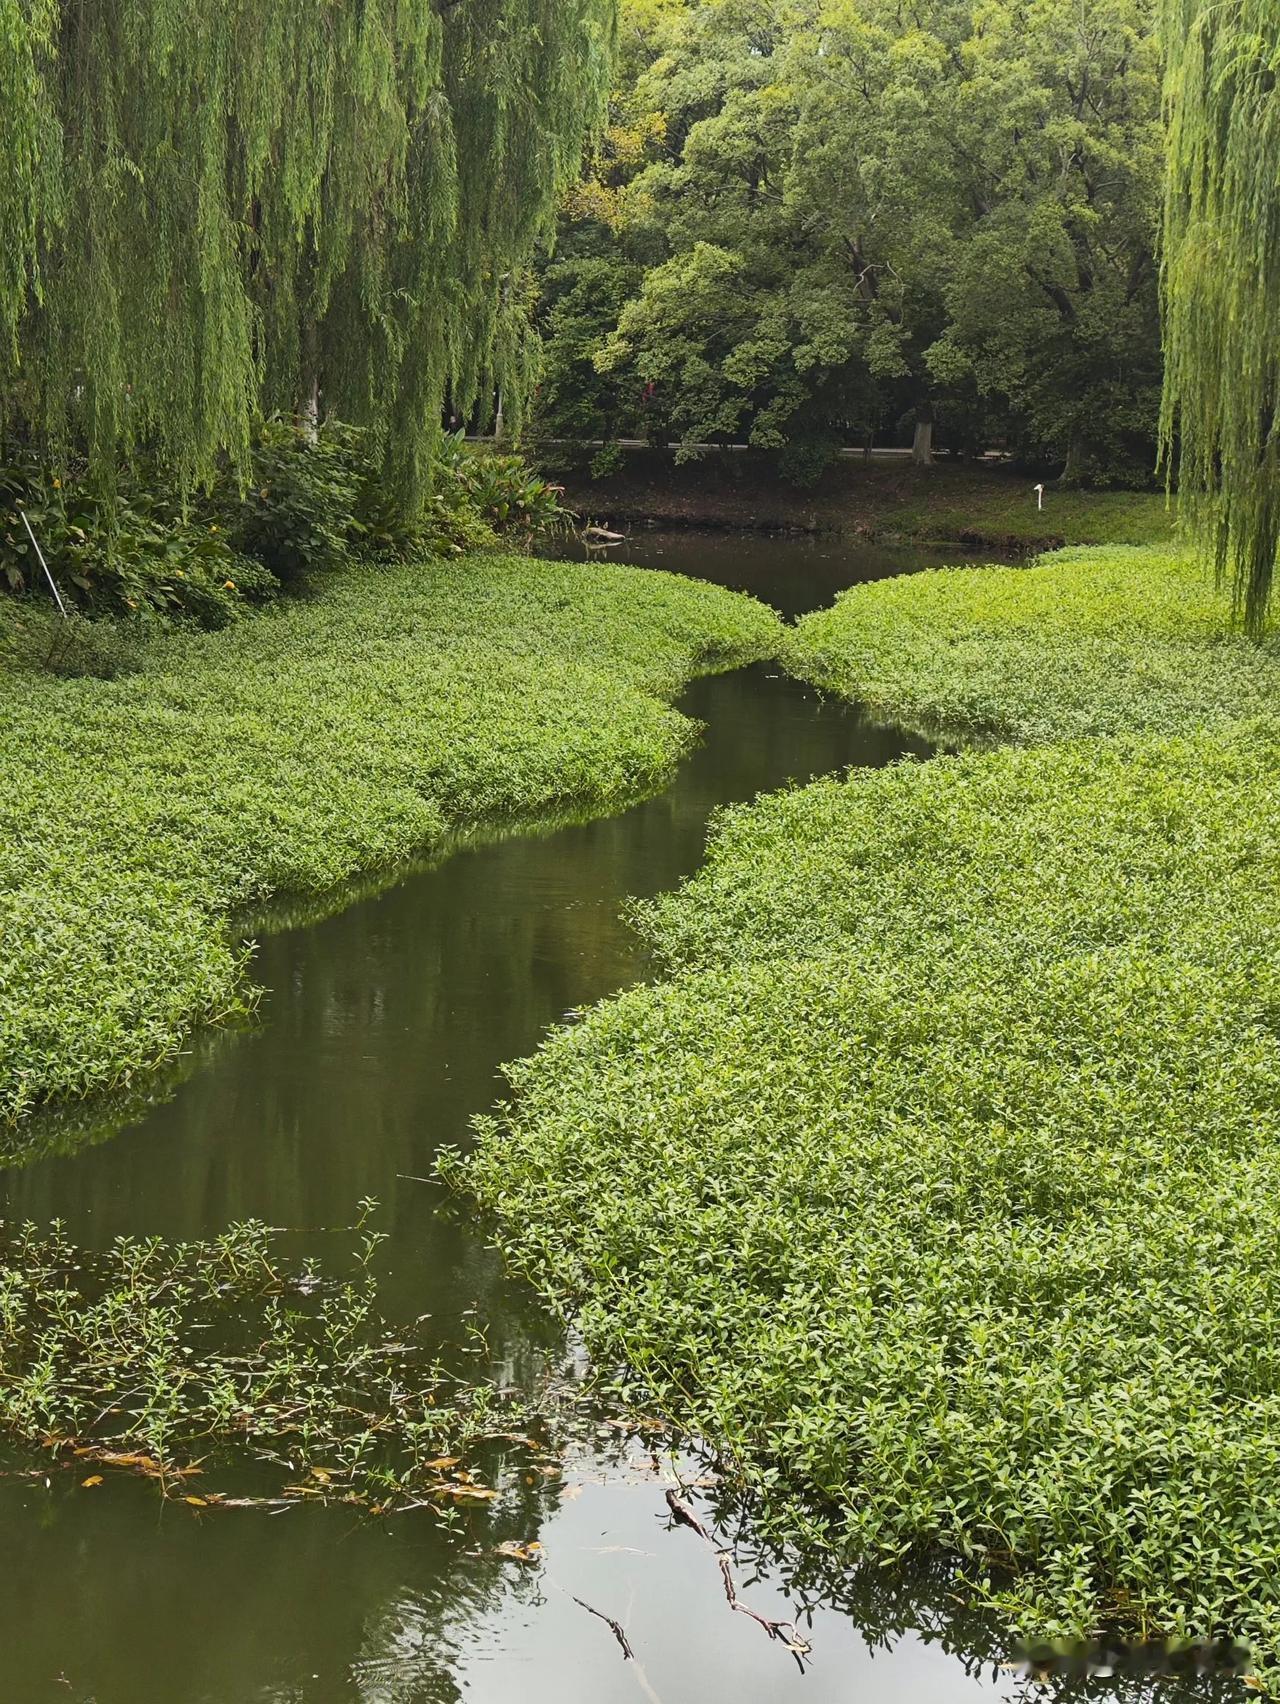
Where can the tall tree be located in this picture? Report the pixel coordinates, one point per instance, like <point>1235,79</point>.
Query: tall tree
<point>859,213</point>
<point>216,210</point>
<point>1054,141</point>
<point>1221,416</point>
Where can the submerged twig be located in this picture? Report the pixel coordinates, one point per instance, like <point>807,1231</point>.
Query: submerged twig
<point>615,1627</point>
<point>785,1632</point>
<point>684,1516</point>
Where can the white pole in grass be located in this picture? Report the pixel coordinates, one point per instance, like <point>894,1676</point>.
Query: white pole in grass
<point>1039,491</point>
<point>53,586</point>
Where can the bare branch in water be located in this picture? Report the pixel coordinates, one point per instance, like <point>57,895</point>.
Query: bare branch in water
<point>615,1627</point>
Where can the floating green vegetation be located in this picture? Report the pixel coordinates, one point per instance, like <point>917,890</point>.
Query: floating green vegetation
<point>1087,641</point>
<point>234,1379</point>
<point>940,1177</point>
<point>318,740</point>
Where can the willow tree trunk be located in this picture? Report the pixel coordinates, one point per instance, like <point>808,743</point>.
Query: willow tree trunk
<point>922,443</point>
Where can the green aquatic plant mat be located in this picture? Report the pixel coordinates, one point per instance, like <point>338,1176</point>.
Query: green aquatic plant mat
<point>316,741</point>
<point>1085,641</point>
<point>235,1377</point>
<point>939,1175</point>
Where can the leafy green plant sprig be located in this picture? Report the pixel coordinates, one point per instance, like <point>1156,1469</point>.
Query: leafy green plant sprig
<point>208,1366</point>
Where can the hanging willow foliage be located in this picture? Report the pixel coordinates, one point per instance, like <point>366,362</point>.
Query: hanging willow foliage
<point>209,211</point>
<point>1222,284</point>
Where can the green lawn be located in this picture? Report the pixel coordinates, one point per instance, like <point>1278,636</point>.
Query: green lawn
<point>295,749</point>
<point>992,507</point>
<point>937,1175</point>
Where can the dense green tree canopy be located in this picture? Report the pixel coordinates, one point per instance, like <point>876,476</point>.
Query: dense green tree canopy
<point>1222,283</point>
<point>212,211</point>
<point>831,217</point>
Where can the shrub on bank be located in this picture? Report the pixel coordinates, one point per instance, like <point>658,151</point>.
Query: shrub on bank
<point>940,1178</point>
<point>316,502</point>
<point>288,752</point>
<point>503,491</point>
<point>136,553</point>
<point>1085,641</point>
<point>295,517</point>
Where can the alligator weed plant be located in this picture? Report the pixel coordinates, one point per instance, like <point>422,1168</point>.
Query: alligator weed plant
<point>1086,641</point>
<point>938,1177</point>
<point>313,742</point>
<point>184,1362</point>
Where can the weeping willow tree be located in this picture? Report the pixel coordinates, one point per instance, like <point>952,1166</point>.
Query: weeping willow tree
<point>1222,284</point>
<point>213,211</point>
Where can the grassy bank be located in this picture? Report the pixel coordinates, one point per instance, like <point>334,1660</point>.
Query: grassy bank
<point>955,502</point>
<point>295,749</point>
<point>1083,642</point>
<point>937,1176</point>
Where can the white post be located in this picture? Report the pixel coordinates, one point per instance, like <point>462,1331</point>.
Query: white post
<point>1039,491</point>
<point>57,595</point>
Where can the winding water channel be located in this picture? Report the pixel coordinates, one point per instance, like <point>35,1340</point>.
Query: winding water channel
<point>381,1036</point>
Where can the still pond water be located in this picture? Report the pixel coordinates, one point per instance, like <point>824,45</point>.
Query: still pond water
<point>381,1036</point>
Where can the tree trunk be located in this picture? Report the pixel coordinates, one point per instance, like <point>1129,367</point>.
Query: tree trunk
<point>922,444</point>
<point>308,409</point>
<point>1077,459</point>
<point>311,411</point>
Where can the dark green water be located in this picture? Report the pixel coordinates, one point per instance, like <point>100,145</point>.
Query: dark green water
<point>381,1036</point>
<point>795,572</point>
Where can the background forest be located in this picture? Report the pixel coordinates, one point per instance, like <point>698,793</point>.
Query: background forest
<point>816,223</point>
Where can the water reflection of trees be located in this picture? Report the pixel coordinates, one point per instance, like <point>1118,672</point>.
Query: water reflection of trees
<point>129,1603</point>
